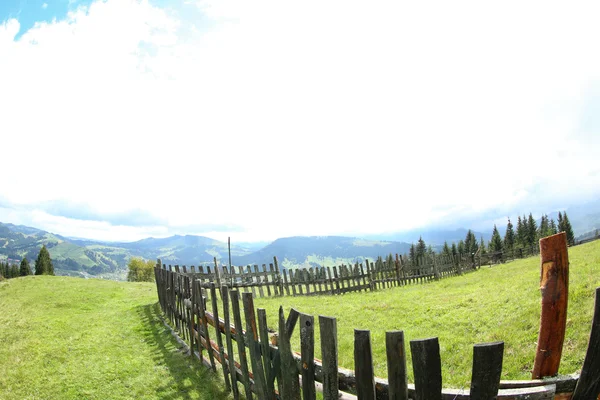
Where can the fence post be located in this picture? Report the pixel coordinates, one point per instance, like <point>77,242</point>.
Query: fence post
<point>554,285</point>
<point>218,276</point>
<point>588,385</point>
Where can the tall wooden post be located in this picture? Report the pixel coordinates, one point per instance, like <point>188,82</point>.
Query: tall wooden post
<point>554,285</point>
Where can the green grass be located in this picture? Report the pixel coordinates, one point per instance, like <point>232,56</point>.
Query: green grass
<point>70,338</point>
<point>491,304</point>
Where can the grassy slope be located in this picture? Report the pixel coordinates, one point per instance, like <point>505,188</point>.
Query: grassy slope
<point>70,338</point>
<point>499,303</point>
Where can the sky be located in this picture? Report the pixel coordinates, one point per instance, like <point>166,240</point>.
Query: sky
<point>123,119</point>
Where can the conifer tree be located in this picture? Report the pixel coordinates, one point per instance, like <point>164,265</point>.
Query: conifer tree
<point>24,269</point>
<point>412,254</point>
<point>544,229</point>
<point>446,250</point>
<point>496,242</point>
<point>390,260</point>
<point>561,225</point>
<point>521,234</point>
<point>553,227</point>
<point>14,271</point>
<point>568,229</point>
<point>531,230</point>
<point>43,263</point>
<point>471,243</point>
<point>421,248</point>
<point>482,246</point>
<point>454,249</point>
<point>509,236</point>
<point>461,247</point>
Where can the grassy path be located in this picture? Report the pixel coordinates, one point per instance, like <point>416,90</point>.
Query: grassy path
<point>491,304</point>
<point>70,338</point>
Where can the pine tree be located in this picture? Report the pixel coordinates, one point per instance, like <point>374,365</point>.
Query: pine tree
<point>531,231</point>
<point>521,236</point>
<point>561,225</point>
<point>24,269</point>
<point>568,230</point>
<point>430,250</point>
<point>412,254</point>
<point>390,260</point>
<point>482,246</point>
<point>461,247</point>
<point>509,236</point>
<point>496,242</point>
<point>14,271</point>
<point>43,263</point>
<point>446,250</point>
<point>544,229</point>
<point>471,245</point>
<point>454,249</point>
<point>421,248</point>
<point>553,227</point>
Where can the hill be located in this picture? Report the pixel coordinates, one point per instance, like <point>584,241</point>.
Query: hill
<point>487,305</point>
<point>305,251</point>
<point>87,258</point>
<point>81,257</point>
<point>68,258</point>
<point>67,338</point>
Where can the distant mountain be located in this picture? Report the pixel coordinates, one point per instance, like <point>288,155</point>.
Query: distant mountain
<point>18,241</point>
<point>304,251</point>
<point>434,237</point>
<point>82,257</point>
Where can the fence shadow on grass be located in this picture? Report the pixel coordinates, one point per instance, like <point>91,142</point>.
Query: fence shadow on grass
<point>186,376</point>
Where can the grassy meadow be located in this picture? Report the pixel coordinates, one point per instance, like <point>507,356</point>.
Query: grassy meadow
<point>491,304</point>
<point>71,338</point>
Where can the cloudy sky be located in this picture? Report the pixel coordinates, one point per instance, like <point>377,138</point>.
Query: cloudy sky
<point>122,119</point>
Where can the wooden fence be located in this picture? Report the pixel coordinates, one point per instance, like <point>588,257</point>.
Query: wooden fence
<point>264,365</point>
<point>273,281</point>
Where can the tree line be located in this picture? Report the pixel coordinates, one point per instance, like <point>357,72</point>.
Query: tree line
<point>43,266</point>
<point>526,235</point>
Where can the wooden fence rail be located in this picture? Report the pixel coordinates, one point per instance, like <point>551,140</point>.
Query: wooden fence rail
<point>367,276</point>
<point>274,371</point>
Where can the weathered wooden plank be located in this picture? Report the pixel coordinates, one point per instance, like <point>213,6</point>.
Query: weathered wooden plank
<point>286,284</point>
<point>554,285</point>
<point>251,277</point>
<point>229,342</point>
<point>197,303</point>
<point>215,309</point>
<point>363,365</point>
<point>331,287</point>
<point>337,280</point>
<point>260,286</point>
<point>266,353</point>
<point>291,321</point>
<point>427,368</point>
<point>237,320</point>
<point>396,364</point>
<point>258,370</point>
<point>588,386</point>
<point>329,356</point>
<point>290,387</point>
<point>487,368</point>
<point>266,281</point>
<point>205,329</point>
<point>307,351</point>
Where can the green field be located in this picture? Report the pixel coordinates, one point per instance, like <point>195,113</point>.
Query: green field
<point>71,338</point>
<point>491,304</point>
<point>68,338</point>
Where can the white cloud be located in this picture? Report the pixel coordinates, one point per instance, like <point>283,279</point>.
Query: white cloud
<point>301,118</point>
<point>45,6</point>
